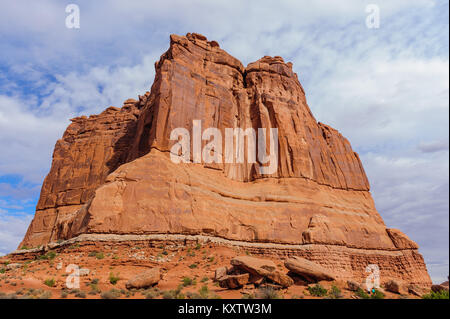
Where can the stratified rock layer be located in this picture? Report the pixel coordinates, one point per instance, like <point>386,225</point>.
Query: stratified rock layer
<point>111,173</point>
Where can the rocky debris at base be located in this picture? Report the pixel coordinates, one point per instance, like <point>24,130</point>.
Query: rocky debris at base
<point>308,270</point>
<point>13,266</point>
<point>353,285</point>
<point>246,269</point>
<point>396,286</point>
<point>234,281</point>
<point>439,288</point>
<point>145,279</point>
<point>417,291</point>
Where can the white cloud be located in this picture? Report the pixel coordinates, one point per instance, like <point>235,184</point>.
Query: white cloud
<point>12,229</point>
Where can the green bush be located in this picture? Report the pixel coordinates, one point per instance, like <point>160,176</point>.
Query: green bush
<point>49,282</point>
<point>204,279</point>
<point>193,266</point>
<point>2,270</point>
<point>317,290</point>
<point>113,279</point>
<point>99,255</point>
<point>361,293</point>
<point>187,281</point>
<point>95,281</point>
<point>48,256</point>
<point>94,289</point>
<point>204,292</point>
<point>335,293</point>
<point>377,295</point>
<point>442,294</point>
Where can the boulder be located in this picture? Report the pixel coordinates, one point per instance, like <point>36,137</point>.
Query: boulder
<point>255,266</point>
<point>261,268</point>
<point>395,286</point>
<point>438,288</point>
<point>234,281</point>
<point>280,279</point>
<point>308,270</point>
<point>13,266</point>
<point>145,279</point>
<point>220,273</point>
<point>353,285</point>
<point>416,290</point>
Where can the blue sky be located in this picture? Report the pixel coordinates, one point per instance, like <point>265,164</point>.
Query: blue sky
<point>385,89</point>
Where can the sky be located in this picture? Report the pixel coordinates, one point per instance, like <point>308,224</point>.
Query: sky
<point>386,89</point>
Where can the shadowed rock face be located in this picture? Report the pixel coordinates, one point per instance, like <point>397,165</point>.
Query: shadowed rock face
<point>111,173</point>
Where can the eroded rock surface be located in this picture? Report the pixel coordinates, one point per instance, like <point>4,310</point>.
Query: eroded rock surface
<point>111,173</point>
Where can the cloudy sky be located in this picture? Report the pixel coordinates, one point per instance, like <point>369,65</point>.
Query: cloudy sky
<point>386,88</point>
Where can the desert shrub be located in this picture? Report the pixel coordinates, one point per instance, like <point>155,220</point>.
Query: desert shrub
<point>317,290</point>
<point>335,293</point>
<point>193,295</point>
<point>193,266</point>
<point>151,294</point>
<point>46,295</point>
<point>99,255</point>
<point>442,294</point>
<point>64,294</point>
<point>111,294</point>
<point>113,279</point>
<point>48,256</point>
<point>20,291</point>
<point>377,295</point>
<point>204,292</point>
<point>362,294</point>
<point>198,246</point>
<point>80,294</point>
<point>49,282</point>
<point>2,270</point>
<point>187,281</point>
<point>174,294</point>
<point>204,279</point>
<point>267,293</point>
<point>94,289</point>
<point>168,294</point>
<point>95,281</point>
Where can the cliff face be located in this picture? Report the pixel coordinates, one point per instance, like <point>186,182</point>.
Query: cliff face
<point>111,173</point>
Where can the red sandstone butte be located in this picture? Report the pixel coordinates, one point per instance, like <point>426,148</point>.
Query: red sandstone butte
<point>111,173</point>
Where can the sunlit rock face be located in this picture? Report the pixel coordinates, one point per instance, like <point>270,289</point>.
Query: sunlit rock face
<point>112,173</point>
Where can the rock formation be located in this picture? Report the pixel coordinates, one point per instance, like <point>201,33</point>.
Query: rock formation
<point>111,173</point>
